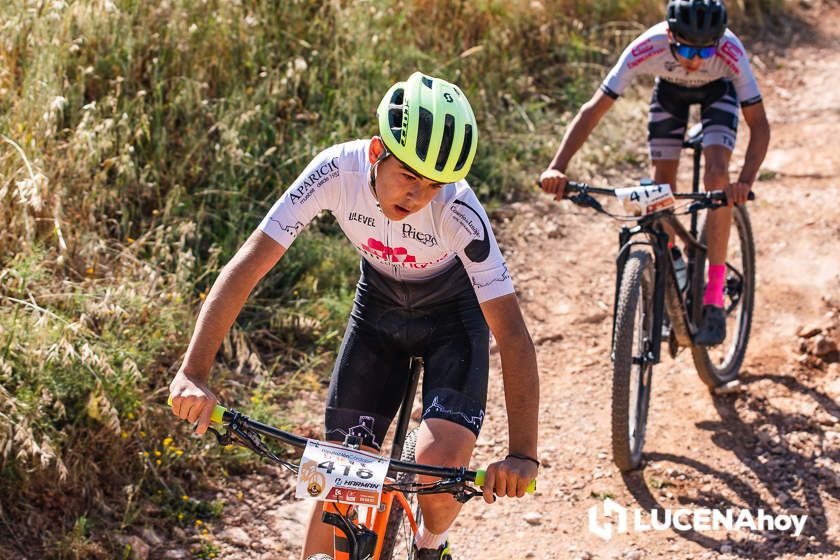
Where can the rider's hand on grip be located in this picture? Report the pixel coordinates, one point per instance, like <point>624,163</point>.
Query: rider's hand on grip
<point>512,477</point>
<point>554,182</point>
<point>192,400</point>
<point>737,193</point>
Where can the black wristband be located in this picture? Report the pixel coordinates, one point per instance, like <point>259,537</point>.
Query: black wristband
<point>523,457</point>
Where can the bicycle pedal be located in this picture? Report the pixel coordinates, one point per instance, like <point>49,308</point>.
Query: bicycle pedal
<point>733,386</point>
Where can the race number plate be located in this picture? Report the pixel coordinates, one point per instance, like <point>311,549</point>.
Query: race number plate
<point>334,473</point>
<point>641,201</point>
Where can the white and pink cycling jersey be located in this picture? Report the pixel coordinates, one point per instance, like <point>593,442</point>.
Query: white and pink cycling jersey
<point>650,54</point>
<point>418,248</point>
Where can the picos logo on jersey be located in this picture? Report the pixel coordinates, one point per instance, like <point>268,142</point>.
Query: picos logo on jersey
<point>426,239</point>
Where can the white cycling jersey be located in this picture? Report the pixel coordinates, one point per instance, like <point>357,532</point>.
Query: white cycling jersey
<point>650,54</point>
<point>424,244</point>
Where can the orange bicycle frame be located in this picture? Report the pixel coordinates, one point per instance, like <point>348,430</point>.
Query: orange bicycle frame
<point>375,520</point>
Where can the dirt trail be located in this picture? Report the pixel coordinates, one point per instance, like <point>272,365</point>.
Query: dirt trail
<point>774,445</point>
<point>701,451</point>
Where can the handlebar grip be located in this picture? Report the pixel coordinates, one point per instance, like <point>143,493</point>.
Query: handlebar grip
<point>721,196</point>
<point>481,473</point>
<point>216,417</point>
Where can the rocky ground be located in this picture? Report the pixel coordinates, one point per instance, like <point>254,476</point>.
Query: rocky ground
<point>772,444</point>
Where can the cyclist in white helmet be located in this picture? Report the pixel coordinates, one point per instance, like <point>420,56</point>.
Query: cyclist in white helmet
<point>696,60</point>
<point>433,284</point>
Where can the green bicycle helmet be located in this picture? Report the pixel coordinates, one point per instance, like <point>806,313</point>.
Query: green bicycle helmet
<point>428,124</point>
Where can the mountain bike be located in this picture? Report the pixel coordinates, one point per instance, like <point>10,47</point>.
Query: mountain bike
<point>647,292</point>
<point>370,500</point>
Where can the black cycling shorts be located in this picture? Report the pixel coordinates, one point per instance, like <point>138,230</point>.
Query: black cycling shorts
<point>669,116</point>
<point>439,320</point>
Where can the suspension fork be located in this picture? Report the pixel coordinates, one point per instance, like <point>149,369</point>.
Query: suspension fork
<point>659,243</point>
<point>661,265</point>
<point>623,251</point>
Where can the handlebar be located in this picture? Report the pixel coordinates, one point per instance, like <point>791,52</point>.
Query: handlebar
<point>711,196</point>
<point>223,416</point>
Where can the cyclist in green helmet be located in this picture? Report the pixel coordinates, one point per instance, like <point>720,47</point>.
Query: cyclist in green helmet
<point>433,284</point>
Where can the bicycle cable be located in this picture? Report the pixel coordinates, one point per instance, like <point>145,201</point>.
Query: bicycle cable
<point>243,436</point>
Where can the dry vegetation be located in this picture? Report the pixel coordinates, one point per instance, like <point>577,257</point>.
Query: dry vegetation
<point>142,141</point>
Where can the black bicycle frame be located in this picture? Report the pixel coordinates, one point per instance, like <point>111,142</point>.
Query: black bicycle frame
<point>405,409</point>
<point>666,296</point>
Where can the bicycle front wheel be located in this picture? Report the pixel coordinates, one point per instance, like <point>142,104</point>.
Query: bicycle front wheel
<point>398,534</point>
<point>718,365</point>
<point>632,360</point>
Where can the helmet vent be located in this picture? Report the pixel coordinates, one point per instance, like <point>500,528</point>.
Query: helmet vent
<point>446,142</point>
<point>395,113</point>
<point>426,82</point>
<point>424,133</point>
<point>465,147</point>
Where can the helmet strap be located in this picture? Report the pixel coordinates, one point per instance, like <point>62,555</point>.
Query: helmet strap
<point>373,172</point>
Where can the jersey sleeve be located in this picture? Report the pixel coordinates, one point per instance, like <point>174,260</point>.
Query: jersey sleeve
<point>734,55</point>
<point>467,232</point>
<point>629,63</point>
<point>316,189</point>
<point>619,76</point>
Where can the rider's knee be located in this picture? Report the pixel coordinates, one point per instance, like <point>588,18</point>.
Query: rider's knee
<point>444,443</point>
<point>716,175</point>
<point>442,457</point>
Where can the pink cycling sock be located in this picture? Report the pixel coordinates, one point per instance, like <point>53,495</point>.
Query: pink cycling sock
<point>714,289</point>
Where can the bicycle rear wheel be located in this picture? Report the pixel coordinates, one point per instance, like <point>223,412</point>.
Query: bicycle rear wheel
<point>633,360</point>
<point>398,535</point>
<point>718,365</point>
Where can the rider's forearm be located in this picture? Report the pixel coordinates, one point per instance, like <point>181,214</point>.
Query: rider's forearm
<point>522,394</point>
<point>219,311</point>
<point>756,150</point>
<point>576,134</point>
<point>225,300</point>
<point>580,128</point>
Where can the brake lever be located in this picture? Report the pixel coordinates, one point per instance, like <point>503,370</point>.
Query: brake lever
<point>242,436</point>
<point>223,438</point>
<point>586,200</point>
